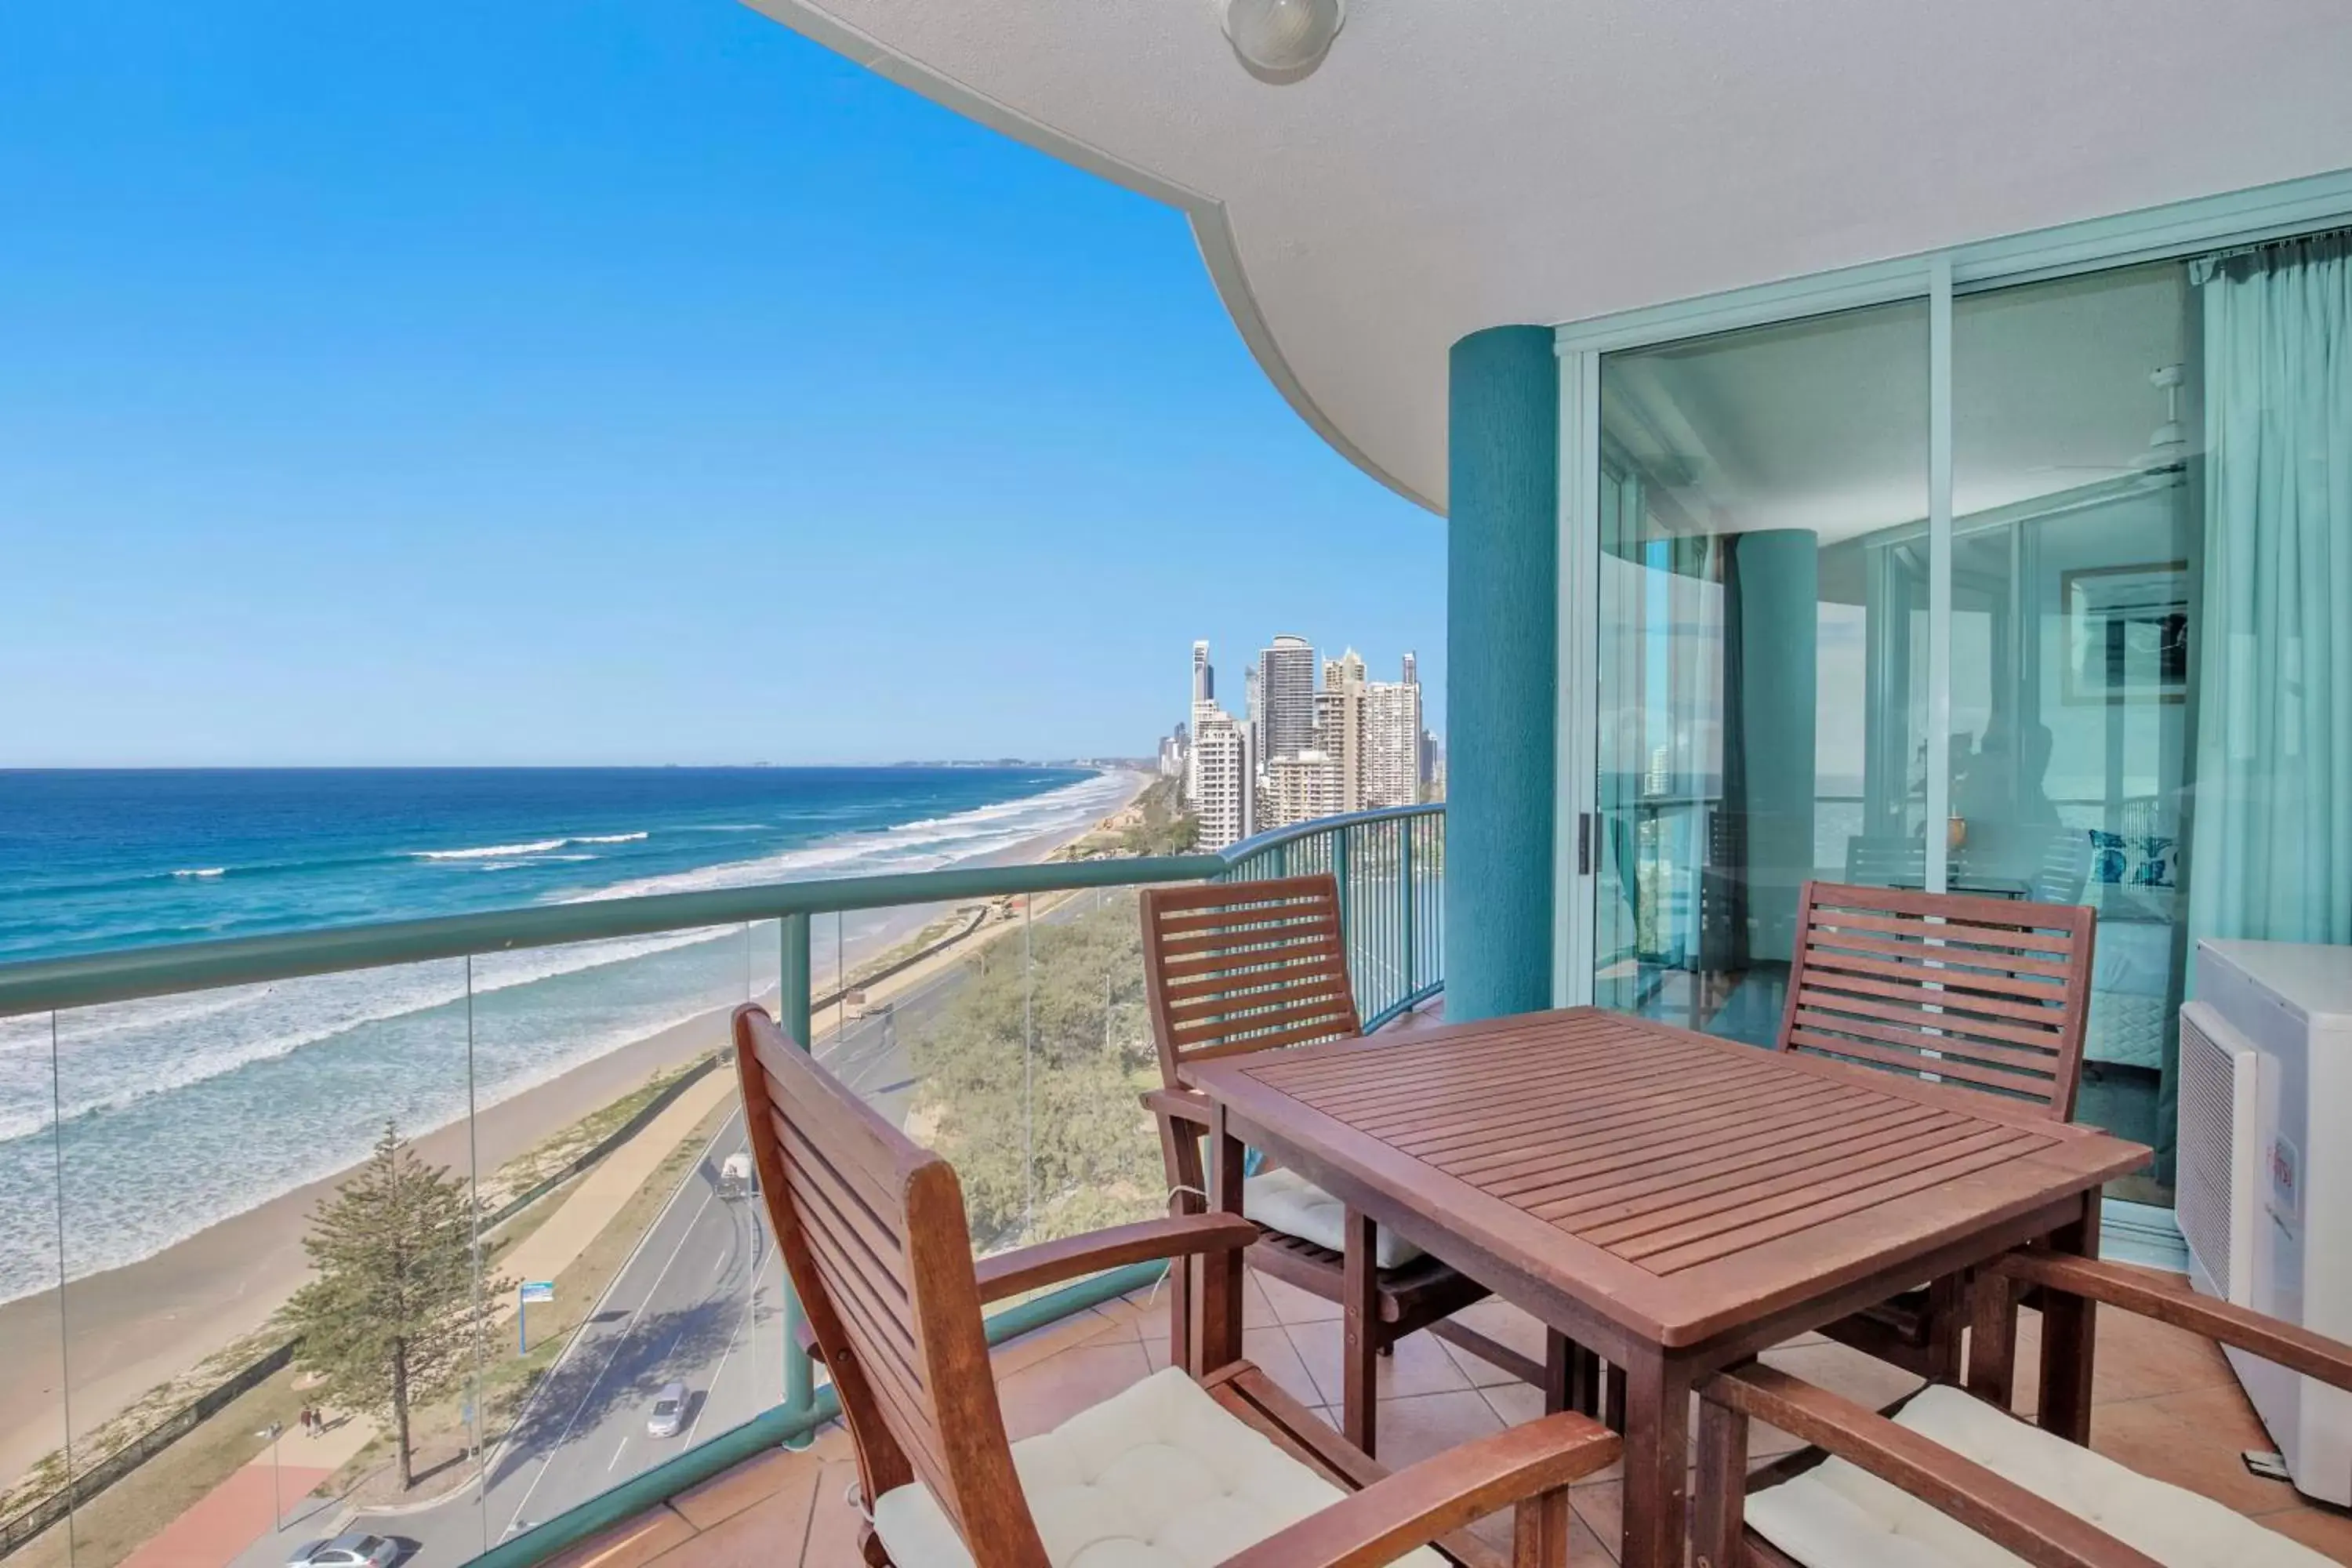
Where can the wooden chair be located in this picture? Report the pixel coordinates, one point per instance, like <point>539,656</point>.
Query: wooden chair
<point>2062,1504</point>
<point>1990,994</point>
<point>1177,1470</point>
<point>1239,967</point>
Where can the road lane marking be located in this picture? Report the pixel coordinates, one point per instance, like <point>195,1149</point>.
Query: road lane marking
<point>622,1337</point>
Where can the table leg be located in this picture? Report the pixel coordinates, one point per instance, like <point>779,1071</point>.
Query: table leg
<point>1571,1377</point>
<point>1361,1311</point>
<point>2068,1325</point>
<point>1219,1339</point>
<point>1657,1459</point>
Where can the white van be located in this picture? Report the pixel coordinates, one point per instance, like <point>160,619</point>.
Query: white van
<point>737,1176</point>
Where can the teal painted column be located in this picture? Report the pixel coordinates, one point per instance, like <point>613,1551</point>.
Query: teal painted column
<point>1502,651</point>
<point>1780,632</point>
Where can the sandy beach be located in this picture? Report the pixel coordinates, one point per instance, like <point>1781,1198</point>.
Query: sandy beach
<point>131,1329</point>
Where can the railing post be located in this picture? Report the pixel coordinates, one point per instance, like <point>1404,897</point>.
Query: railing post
<point>793,1014</point>
<point>1346,926</point>
<point>1404,874</point>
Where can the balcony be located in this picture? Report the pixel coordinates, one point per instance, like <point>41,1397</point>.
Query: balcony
<point>2167,1406</point>
<point>156,1403</point>
<point>1012,1006</point>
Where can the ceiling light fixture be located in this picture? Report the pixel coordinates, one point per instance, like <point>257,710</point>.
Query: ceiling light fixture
<point>1283,40</point>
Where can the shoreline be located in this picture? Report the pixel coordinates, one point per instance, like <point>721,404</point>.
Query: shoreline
<point>133,1329</point>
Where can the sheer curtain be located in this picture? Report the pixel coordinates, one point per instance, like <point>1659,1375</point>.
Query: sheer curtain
<point>2270,849</point>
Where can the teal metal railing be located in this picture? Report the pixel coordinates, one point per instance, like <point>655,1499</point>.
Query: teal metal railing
<point>1389,866</point>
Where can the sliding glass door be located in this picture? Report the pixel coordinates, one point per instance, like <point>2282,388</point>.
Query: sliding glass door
<point>1774,571</point>
<point>1762,651</point>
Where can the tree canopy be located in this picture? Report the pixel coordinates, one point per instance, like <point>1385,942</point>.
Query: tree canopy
<point>394,1317</point>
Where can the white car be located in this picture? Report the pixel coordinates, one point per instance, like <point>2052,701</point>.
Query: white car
<point>353,1550</point>
<point>669,1411</point>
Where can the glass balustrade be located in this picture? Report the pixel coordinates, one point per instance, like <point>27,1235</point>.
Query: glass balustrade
<point>500,1195</point>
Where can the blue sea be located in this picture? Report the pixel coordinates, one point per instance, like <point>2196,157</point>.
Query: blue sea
<point>171,1114</point>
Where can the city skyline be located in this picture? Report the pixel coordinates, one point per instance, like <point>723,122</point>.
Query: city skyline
<point>1300,749</point>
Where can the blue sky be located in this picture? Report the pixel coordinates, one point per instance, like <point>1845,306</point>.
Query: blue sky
<point>613,381</point>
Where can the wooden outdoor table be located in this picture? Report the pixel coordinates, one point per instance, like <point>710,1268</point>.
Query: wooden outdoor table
<point>1674,1202</point>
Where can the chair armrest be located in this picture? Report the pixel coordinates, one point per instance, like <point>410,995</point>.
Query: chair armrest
<point>1052,1262</point>
<point>2004,1513</point>
<point>1441,1494</point>
<point>2167,1299</point>
<point>1184,1105</point>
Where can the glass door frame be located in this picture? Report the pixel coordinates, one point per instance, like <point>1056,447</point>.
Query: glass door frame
<point>2268,212</point>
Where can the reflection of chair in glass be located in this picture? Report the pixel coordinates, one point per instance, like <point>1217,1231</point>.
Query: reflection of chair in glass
<point>1178,1468</point>
<point>1885,862</point>
<point>1992,1476</point>
<point>1237,967</point>
<point>1985,995</point>
<point>1722,955</point>
<point>2066,868</point>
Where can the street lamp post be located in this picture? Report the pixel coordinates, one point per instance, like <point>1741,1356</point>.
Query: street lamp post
<point>276,1500</point>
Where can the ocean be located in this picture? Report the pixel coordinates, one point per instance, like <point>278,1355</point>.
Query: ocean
<point>168,1115</point>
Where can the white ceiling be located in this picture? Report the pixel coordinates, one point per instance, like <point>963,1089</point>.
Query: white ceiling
<point>1463,164</point>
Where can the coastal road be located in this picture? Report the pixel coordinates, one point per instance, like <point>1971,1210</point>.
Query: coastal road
<point>699,1302</point>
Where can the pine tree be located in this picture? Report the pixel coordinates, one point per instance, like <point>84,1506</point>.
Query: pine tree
<point>393,1319</point>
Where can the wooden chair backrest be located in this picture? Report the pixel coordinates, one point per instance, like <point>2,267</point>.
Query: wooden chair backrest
<point>1234,967</point>
<point>873,1233</point>
<point>1988,993</point>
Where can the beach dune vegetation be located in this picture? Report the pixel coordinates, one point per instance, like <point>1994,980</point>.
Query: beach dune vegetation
<point>1030,1080</point>
<point>394,1315</point>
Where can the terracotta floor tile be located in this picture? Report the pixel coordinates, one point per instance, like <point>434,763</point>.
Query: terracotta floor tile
<point>1419,1366</point>
<point>1041,1397</point>
<point>1042,1343</point>
<point>754,1481</point>
<point>2325,1530</point>
<point>769,1532</point>
<point>1290,1304</point>
<point>1482,1373</point>
<point>1601,1506</point>
<point>2138,1358</point>
<point>1514,1402</point>
<point>1501,1321</point>
<point>833,1525</point>
<point>1420,1426</point>
<point>1120,1322</point>
<point>1849,1373</point>
<point>2193,1440</point>
<point>1276,1356</point>
<point>639,1540</point>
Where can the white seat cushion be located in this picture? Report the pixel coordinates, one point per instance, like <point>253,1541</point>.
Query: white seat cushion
<point>1289,1203</point>
<point>1837,1515</point>
<point>1158,1477</point>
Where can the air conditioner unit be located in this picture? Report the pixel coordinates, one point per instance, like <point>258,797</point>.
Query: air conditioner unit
<point>2264,1185</point>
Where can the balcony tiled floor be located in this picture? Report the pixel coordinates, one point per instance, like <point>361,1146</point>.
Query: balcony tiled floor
<point>2166,1405</point>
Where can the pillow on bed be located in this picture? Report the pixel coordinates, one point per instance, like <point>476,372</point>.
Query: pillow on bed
<point>2134,859</point>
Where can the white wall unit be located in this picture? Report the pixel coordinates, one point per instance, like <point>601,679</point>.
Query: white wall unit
<point>2266,1172</point>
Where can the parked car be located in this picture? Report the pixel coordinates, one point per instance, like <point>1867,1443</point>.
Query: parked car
<point>352,1551</point>
<point>669,1411</point>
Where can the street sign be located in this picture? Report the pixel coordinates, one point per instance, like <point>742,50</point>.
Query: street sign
<point>538,1291</point>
